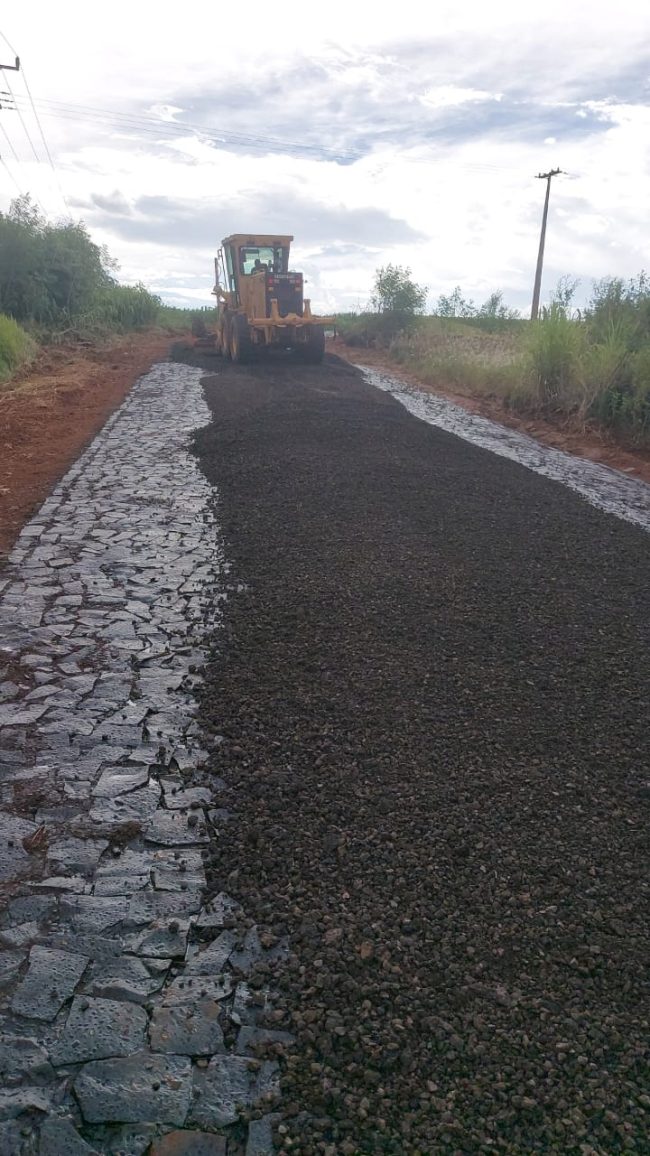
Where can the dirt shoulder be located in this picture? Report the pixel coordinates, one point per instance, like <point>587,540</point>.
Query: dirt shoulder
<point>50,412</point>
<point>591,442</point>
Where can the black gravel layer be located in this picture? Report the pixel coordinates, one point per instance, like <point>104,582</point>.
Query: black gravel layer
<point>434,692</point>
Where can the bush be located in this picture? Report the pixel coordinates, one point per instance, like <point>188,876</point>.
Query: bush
<point>16,347</point>
<point>395,292</point>
<point>369,330</point>
<point>48,272</point>
<point>55,277</point>
<point>396,301</point>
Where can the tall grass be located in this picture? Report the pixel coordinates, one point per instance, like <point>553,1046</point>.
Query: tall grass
<point>457,356</point>
<point>590,367</point>
<point>555,348</point>
<point>117,309</point>
<point>16,347</point>
<point>180,320</point>
<point>597,367</point>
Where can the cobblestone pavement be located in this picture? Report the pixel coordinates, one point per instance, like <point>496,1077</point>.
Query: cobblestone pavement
<point>606,489</point>
<point>127,1023</point>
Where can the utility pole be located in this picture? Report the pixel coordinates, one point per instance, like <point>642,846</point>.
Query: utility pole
<point>542,240</point>
<point>9,68</point>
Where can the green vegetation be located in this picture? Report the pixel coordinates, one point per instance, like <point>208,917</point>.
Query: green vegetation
<point>597,365</point>
<point>16,347</point>
<point>394,292</point>
<point>458,356</point>
<point>396,302</point>
<point>56,284</point>
<point>584,366</point>
<point>174,318</point>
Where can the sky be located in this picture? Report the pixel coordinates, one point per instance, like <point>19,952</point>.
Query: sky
<point>408,133</point>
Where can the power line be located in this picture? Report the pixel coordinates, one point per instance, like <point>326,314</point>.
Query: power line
<point>45,144</point>
<point>22,121</point>
<point>10,68</point>
<point>11,176</point>
<point>8,140</point>
<point>149,125</point>
<point>9,45</point>
<point>17,68</point>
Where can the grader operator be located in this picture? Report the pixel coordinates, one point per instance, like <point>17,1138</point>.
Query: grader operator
<point>260,302</point>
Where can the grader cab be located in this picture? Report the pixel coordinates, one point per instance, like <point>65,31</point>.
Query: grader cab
<point>260,301</point>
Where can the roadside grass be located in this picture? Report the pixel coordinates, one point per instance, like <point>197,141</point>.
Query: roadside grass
<point>592,368</point>
<point>116,309</point>
<point>180,320</point>
<point>16,347</point>
<point>461,358</point>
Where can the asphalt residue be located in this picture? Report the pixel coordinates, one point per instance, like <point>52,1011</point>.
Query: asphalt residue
<point>433,687</point>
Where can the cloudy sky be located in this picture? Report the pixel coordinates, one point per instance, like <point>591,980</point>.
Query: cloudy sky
<point>406,132</point>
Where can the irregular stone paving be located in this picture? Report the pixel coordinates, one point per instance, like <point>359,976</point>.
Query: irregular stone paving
<point>606,489</point>
<point>126,1021</point>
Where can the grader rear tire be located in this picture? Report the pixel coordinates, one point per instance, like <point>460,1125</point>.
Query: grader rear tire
<point>313,351</point>
<point>241,346</point>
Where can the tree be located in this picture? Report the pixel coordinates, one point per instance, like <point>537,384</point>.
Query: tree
<point>455,305</point>
<point>494,308</point>
<point>396,301</point>
<point>394,292</point>
<point>49,273</point>
<point>23,211</point>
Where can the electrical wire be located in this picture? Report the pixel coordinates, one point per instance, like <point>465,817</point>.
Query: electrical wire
<point>45,144</point>
<point>9,44</point>
<point>22,121</point>
<point>38,123</point>
<point>11,176</point>
<point>9,142</point>
<point>151,126</point>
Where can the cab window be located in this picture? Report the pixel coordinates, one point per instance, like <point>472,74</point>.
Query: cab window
<point>262,258</point>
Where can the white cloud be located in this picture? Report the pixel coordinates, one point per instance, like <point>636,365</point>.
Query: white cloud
<point>443,114</point>
<point>452,96</point>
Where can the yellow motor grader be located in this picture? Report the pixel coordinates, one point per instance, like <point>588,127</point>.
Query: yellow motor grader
<point>260,302</point>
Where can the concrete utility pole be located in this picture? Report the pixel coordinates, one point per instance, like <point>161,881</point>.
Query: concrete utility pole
<point>542,240</point>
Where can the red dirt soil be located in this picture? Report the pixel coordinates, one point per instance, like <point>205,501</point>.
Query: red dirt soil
<point>590,442</point>
<point>51,411</point>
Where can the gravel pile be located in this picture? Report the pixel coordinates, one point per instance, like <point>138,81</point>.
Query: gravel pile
<point>433,689</point>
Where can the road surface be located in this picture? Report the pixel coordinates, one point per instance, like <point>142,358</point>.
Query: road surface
<point>324,775</point>
<point>434,688</point>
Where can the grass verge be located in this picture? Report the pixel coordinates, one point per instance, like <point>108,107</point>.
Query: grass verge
<point>591,370</point>
<point>16,347</point>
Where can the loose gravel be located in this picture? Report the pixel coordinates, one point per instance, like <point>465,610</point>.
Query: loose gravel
<point>433,687</point>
